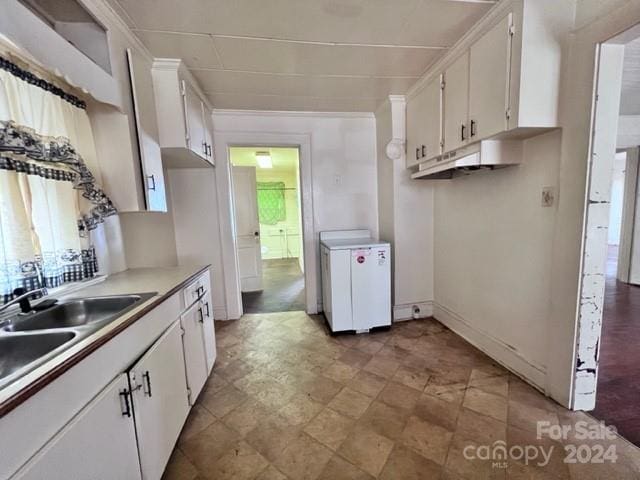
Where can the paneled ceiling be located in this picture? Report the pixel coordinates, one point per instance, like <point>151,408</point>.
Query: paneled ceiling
<point>320,55</point>
<point>630,99</point>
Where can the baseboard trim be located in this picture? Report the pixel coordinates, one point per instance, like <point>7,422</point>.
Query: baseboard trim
<point>502,353</point>
<point>404,312</point>
<point>220,313</point>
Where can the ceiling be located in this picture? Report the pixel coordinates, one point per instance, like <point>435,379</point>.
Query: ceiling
<point>313,55</point>
<point>283,159</point>
<point>630,99</point>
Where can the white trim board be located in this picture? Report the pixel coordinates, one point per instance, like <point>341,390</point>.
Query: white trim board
<point>499,351</point>
<point>284,113</point>
<point>227,139</point>
<point>404,312</point>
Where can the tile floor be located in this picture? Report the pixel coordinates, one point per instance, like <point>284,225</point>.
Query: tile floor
<point>288,401</point>
<point>283,288</point>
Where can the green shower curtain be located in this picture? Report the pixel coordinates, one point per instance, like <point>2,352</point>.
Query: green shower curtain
<point>271,204</point>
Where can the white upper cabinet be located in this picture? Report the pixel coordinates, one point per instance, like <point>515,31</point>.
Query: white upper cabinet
<point>144,110</point>
<point>424,123</point>
<point>489,72</point>
<point>456,103</point>
<point>501,80</point>
<point>183,111</point>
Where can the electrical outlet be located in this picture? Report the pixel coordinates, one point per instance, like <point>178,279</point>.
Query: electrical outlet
<point>548,196</point>
<point>337,180</point>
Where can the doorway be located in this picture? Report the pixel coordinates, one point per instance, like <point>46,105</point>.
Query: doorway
<point>608,360</point>
<point>269,233</point>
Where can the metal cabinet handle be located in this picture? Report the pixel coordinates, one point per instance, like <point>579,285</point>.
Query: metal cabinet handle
<point>473,128</point>
<point>417,154</point>
<point>201,320</point>
<point>463,129</point>
<point>204,147</point>
<point>147,377</point>
<point>124,395</point>
<point>207,306</point>
<point>210,150</point>
<point>424,151</point>
<point>153,182</point>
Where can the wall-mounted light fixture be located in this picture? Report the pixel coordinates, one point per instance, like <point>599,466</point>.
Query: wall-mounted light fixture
<point>264,159</point>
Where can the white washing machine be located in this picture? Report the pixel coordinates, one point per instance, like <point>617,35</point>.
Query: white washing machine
<point>356,280</point>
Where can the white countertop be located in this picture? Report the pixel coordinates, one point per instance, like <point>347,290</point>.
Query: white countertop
<point>348,243</point>
<point>140,280</point>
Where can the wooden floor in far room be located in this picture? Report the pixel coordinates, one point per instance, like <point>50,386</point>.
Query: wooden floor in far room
<point>283,288</point>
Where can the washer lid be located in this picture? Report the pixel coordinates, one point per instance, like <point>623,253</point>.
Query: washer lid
<point>352,243</point>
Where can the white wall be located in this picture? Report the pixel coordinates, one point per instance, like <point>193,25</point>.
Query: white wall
<point>617,197</point>
<point>343,163</point>
<point>493,245</point>
<point>405,213</point>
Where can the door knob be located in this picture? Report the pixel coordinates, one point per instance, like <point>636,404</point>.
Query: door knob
<point>256,234</point>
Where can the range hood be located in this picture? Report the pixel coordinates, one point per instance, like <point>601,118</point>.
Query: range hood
<point>488,154</point>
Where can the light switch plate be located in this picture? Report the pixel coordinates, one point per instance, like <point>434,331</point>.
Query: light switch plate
<point>548,196</point>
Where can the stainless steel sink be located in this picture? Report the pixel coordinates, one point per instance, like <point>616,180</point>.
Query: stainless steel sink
<point>29,340</point>
<point>75,313</point>
<point>20,350</point>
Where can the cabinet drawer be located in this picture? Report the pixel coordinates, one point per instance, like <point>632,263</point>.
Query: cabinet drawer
<point>196,289</point>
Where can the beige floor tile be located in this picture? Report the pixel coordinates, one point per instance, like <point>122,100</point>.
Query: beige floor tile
<point>370,344</point>
<point>340,372</point>
<point>330,428</point>
<point>366,449</point>
<point>223,401</point>
<point>556,465</point>
<point>523,393</point>
<point>199,418</point>
<point>242,462</point>
<point>385,420</point>
<point>275,396</point>
<point>350,403</point>
<point>416,378</point>
<point>271,473</point>
<point>204,448</point>
<point>355,358</point>
<point>429,440</point>
<point>486,403</point>
<point>367,383</point>
<point>321,389</point>
<point>382,366</point>
<point>235,370</point>
<point>462,463</point>
<point>437,411</point>
<point>480,428</point>
<point>398,395</point>
<point>527,417</point>
<point>271,436</point>
<point>179,468</point>
<point>340,469</point>
<point>304,458</point>
<point>405,464</point>
<point>300,409</point>
<point>216,382</point>
<point>246,416</point>
<point>453,393</point>
<point>498,385</point>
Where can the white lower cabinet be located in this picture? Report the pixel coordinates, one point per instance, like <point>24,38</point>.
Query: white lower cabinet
<point>208,331</point>
<point>160,405</point>
<point>98,444</point>
<point>195,355</point>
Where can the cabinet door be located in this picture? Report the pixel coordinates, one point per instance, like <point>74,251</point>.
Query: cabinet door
<point>490,69</point>
<point>144,109</point>
<point>194,120</point>
<point>98,443</point>
<point>195,355</point>
<point>208,132</point>
<point>160,401</point>
<point>208,331</point>
<point>432,125</point>
<point>456,103</point>
<point>415,137</point>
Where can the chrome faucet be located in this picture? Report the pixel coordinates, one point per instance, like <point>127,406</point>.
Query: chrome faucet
<point>22,299</point>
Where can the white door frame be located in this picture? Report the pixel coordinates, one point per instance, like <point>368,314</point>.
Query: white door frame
<point>226,140</point>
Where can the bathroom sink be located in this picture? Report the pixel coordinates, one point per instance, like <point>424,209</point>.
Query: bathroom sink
<point>19,351</point>
<point>75,313</point>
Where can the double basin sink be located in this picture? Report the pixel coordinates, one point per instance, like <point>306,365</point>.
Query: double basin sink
<point>29,340</point>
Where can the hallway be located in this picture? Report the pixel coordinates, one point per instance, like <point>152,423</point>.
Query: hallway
<point>619,371</point>
<point>283,288</point>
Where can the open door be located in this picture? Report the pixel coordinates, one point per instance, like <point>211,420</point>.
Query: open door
<point>247,228</point>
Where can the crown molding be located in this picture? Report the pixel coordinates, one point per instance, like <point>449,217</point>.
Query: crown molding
<point>293,113</point>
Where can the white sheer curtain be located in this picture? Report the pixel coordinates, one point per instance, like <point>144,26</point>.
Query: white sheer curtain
<point>49,196</point>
